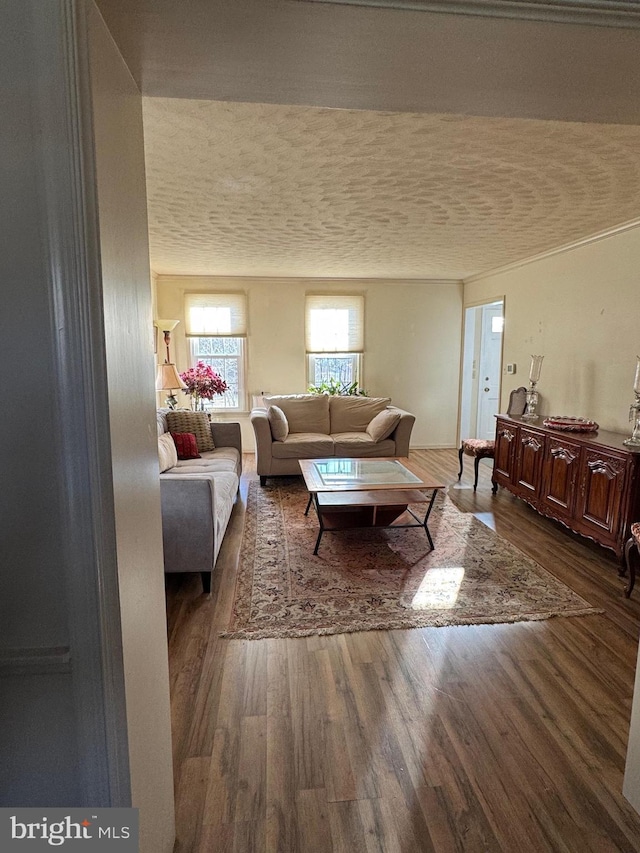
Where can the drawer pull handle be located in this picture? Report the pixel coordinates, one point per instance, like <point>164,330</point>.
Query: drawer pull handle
<point>601,467</point>
<point>564,454</point>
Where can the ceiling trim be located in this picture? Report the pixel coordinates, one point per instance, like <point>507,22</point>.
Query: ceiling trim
<point>603,13</point>
<point>559,250</point>
<point>356,280</point>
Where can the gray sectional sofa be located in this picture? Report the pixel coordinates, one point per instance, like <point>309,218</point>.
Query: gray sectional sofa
<point>315,426</point>
<point>197,497</point>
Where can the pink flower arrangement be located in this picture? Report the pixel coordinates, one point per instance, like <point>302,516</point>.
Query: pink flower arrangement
<point>203,383</point>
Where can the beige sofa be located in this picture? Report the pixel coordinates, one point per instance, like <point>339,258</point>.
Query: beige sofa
<point>316,426</point>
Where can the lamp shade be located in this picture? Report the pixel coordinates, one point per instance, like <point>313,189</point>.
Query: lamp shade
<point>166,325</point>
<point>168,377</point>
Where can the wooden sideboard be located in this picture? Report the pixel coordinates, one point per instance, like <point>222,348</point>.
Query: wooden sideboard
<point>590,482</point>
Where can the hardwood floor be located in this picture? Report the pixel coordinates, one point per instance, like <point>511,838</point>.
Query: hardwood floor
<point>484,738</point>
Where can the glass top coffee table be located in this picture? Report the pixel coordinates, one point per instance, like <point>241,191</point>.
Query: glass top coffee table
<point>351,493</point>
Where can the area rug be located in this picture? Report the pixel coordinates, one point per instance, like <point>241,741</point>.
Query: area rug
<point>364,580</point>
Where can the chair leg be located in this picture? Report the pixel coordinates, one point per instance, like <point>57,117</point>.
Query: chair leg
<point>206,582</point>
<point>476,467</point>
<point>460,455</point>
<point>631,568</point>
<point>263,480</point>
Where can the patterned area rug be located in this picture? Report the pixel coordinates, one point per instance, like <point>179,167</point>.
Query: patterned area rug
<point>363,580</point>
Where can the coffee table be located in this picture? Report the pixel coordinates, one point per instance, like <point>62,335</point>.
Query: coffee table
<point>351,493</point>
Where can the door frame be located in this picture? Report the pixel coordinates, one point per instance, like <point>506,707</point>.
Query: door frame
<point>463,385</point>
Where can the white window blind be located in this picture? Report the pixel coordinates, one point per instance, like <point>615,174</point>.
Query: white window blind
<point>215,315</point>
<point>334,324</point>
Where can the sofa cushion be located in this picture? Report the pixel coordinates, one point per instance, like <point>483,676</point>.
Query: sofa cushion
<point>225,488</point>
<point>182,420</point>
<point>353,444</point>
<point>383,424</point>
<point>278,422</point>
<point>220,459</point>
<point>303,445</point>
<point>167,453</point>
<point>353,414</point>
<point>161,421</point>
<point>305,413</point>
<point>186,445</point>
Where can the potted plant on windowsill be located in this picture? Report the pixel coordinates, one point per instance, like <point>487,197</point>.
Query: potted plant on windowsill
<point>334,387</point>
<point>202,383</point>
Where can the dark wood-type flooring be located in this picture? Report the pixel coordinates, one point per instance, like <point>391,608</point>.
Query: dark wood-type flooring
<point>483,738</point>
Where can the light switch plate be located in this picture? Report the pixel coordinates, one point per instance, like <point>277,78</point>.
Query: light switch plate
<point>511,369</point>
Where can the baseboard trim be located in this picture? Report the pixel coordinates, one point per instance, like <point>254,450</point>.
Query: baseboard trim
<point>35,661</point>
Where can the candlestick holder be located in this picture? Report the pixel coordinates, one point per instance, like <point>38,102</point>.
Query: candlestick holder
<point>532,399</point>
<point>532,396</point>
<point>634,410</point>
<point>634,417</point>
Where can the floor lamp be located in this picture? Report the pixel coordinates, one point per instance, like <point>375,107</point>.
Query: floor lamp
<point>167,377</point>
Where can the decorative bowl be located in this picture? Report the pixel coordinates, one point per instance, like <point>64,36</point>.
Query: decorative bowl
<point>570,424</point>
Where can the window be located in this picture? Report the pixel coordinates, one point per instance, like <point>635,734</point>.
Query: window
<point>334,339</point>
<point>226,357</point>
<point>341,367</point>
<point>216,324</point>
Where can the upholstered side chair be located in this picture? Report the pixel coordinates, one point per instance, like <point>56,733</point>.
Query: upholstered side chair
<point>480,448</point>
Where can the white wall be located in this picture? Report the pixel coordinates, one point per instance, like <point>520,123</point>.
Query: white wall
<point>579,308</point>
<point>412,342</point>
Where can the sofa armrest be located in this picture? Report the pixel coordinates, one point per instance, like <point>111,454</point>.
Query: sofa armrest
<point>402,433</point>
<point>227,434</point>
<point>262,430</point>
<point>187,523</point>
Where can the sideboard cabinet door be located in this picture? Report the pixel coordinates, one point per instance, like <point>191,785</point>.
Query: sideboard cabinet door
<point>560,477</point>
<point>529,462</point>
<point>504,460</point>
<point>601,489</point>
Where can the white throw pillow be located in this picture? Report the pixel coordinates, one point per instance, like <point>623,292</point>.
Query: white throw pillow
<point>167,452</point>
<point>383,425</point>
<point>278,422</point>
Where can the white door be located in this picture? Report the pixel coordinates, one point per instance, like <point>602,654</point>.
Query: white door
<point>490,362</point>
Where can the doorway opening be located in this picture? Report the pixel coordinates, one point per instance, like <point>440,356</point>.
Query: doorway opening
<point>481,369</point>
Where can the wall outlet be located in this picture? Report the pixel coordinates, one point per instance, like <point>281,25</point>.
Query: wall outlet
<point>511,369</point>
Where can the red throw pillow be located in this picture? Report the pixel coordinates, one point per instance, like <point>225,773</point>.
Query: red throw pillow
<point>186,445</point>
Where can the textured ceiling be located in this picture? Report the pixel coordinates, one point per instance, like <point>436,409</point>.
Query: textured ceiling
<point>269,190</point>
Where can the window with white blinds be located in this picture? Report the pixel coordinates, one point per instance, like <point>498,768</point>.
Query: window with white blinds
<point>216,325</point>
<point>334,324</point>
<point>334,340</point>
<point>209,315</point>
